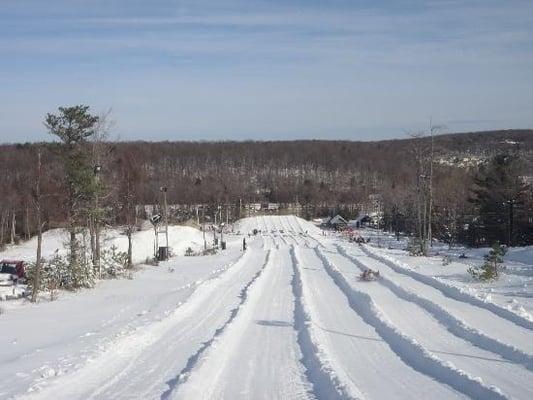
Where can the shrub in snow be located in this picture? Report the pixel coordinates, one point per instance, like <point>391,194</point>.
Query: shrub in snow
<point>414,247</point>
<point>114,263</point>
<point>56,273</point>
<point>189,252</point>
<point>493,264</point>
<point>208,252</point>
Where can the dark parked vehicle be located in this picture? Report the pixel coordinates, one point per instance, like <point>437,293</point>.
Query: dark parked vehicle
<point>11,272</point>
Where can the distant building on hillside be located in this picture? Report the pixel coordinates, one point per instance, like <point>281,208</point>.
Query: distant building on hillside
<point>337,222</point>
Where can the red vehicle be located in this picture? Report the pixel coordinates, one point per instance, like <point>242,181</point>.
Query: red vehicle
<point>11,271</point>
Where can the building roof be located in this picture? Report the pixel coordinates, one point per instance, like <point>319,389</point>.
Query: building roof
<point>337,220</point>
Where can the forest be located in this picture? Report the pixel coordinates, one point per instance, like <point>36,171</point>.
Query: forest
<point>471,188</point>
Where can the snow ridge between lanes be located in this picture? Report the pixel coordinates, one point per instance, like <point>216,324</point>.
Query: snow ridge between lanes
<point>455,325</point>
<point>449,290</point>
<point>221,337</point>
<point>319,371</point>
<point>408,349</point>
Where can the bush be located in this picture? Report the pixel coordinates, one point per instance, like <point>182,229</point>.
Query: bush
<point>209,252</point>
<point>55,275</point>
<point>114,263</point>
<point>414,247</point>
<point>189,252</point>
<point>490,270</point>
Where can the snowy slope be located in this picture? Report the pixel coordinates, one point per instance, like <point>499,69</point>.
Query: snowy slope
<point>286,319</point>
<point>180,238</point>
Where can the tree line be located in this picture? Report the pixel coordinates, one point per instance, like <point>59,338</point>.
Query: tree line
<point>471,188</point>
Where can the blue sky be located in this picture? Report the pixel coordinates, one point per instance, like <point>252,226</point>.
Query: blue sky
<point>230,69</point>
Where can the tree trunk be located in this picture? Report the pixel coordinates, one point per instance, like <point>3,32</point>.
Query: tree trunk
<point>73,261</point>
<point>93,244</point>
<point>13,227</point>
<point>2,226</point>
<point>511,223</point>
<point>130,247</point>
<point>37,203</point>
<point>37,273</point>
<point>28,232</point>
<point>97,249</point>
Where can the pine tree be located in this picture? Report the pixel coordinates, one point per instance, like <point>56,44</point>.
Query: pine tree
<point>493,264</point>
<point>74,126</point>
<point>498,198</point>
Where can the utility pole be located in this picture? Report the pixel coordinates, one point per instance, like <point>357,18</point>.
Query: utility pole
<point>165,213</point>
<point>511,222</point>
<point>430,211</point>
<point>197,216</point>
<point>96,256</point>
<point>205,242</point>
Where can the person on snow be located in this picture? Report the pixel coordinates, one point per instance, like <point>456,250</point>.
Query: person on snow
<point>243,244</point>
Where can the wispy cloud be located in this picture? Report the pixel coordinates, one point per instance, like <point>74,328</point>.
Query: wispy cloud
<point>293,66</point>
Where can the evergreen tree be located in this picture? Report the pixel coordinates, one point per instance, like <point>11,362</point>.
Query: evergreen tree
<point>74,126</point>
<point>498,198</point>
<point>492,266</point>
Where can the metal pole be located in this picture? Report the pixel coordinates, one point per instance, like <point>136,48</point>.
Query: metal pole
<point>166,213</point>
<point>430,234</point>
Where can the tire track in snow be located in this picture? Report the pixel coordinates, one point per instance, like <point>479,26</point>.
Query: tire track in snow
<point>454,325</point>
<point>326,384</point>
<point>408,349</point>
<point>183,375</point>
<point>450,290</point>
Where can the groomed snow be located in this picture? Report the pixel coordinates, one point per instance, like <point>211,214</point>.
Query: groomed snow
<point>288,318</point>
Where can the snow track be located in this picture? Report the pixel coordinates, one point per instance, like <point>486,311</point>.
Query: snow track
<point>451,291</point>
<point>320,372</point>
<point>134,363</point>
<point>289,319</point>
<point>408,349</point>
<point>262,337</point>
<point>487,317</point>
<point>449,321</point>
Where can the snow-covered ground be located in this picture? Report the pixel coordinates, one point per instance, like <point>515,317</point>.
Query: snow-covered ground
<point>513,290</point>
<point>286,319</point>
<point>180,239</point>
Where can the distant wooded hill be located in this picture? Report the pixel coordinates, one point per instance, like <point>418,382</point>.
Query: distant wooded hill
<point>320,174</point>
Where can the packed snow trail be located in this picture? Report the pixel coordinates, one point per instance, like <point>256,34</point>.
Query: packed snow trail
<point>288,319</point>
<point>361,360</point>
<point>142,362</point>
<point>411,319</point>
<point>454,292</point>
<point>448,320</point>
<point>476,316</point>
<point>260,344</point>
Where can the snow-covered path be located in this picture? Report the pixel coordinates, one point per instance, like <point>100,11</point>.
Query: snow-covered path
<point>260,344</point>
<point>287,319</point>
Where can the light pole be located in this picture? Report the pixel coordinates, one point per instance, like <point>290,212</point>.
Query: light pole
<point>165,212</point>
<point>96,257</point>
